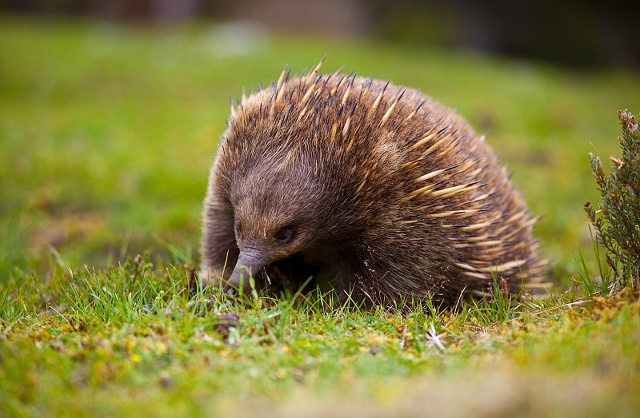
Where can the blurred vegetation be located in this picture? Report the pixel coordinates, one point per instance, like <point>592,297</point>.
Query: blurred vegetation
<point>575,33</point>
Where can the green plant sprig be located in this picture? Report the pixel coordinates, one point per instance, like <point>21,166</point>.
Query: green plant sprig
<point>617,218</point>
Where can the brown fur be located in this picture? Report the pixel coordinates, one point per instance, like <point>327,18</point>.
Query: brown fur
<point>387,191</point>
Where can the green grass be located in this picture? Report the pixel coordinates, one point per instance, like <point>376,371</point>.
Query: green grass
<point>106,137</point>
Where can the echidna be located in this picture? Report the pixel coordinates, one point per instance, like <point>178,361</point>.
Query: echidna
<point>386,192</point>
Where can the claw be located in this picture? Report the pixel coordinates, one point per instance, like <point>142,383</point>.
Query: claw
<point>231,292</point>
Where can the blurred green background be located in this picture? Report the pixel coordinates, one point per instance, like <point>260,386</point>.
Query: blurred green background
<point>109,119</point>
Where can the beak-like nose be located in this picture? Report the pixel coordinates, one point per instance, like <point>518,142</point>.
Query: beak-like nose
<point>250,262</point>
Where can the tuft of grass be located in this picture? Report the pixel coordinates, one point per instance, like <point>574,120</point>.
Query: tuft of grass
<point>131,340</point>
<point>600,284</point>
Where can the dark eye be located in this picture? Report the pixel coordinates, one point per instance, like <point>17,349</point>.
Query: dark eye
<point>284,235</point>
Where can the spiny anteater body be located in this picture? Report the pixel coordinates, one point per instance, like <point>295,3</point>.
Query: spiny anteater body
<point>381,188</point>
